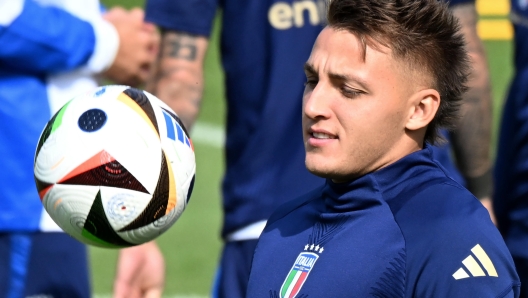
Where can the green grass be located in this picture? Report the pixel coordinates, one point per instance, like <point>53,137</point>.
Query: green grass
<point>500,59</point>
<point>192,246</point>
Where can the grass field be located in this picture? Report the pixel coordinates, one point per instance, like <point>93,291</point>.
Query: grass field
<point>191,248</point>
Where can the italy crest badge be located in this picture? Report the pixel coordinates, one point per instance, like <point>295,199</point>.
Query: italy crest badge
<point>300,271</point>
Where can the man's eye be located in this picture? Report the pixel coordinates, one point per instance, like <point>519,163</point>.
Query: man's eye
<point>310,83</point>
<point>351,93</point>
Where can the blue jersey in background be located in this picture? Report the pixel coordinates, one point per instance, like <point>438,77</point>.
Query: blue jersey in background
<point>264,45</point>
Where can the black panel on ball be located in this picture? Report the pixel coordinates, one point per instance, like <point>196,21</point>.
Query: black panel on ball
<point>98,225</point>
<point>41,184</point>
<point>191,186</point>
<point>46,133</point>
<point>144,103</point>
<point>157,206</point>
<point>110,174</point>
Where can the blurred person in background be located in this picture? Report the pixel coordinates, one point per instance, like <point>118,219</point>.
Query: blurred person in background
<point>467,154</point>
<point>510,198</point>
<point>264,45</point>
<point>51,51</point>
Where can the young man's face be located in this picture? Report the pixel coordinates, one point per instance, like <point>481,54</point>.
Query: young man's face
<point>354,110</point>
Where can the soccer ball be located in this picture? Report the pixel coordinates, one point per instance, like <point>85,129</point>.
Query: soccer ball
<point>115,167</point>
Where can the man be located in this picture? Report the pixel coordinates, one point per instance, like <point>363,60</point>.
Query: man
<point>51,51</point>
<point>383,77</point>
<point>510,197</point>
<point>264,45</point>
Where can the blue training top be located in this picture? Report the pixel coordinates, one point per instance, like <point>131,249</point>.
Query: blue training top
<point>264,46</point>
<point>406,230</point>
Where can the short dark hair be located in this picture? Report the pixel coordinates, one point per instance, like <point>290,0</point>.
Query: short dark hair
<point>423,33</point>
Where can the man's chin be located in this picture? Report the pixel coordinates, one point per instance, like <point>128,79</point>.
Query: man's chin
<point>321,172</point>
<point>331,174</point>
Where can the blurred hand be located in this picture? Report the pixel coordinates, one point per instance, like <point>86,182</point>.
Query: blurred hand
<point>138,46</point>
<point>140,272</point>
<point>489,205</point>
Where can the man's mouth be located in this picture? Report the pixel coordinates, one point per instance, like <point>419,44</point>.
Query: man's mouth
<point>321,135</point>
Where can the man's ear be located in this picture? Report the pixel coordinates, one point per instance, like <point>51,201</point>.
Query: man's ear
<point>424,105</point>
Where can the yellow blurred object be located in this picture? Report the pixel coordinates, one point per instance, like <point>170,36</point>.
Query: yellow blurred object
<point>493,7</point>
<point>495,29</point>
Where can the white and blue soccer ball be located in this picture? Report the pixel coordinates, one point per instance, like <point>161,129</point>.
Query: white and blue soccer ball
<point>115,167</point>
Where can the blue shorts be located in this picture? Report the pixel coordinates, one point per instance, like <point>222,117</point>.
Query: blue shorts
<point>44,265</point>
<point>233,274</point>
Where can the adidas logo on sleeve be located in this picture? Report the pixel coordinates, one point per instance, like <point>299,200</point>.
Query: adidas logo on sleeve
<point>472,268</point>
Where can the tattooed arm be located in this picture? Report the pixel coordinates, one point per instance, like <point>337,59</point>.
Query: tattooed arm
<point>472,137</point>
<point>178,79</point>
